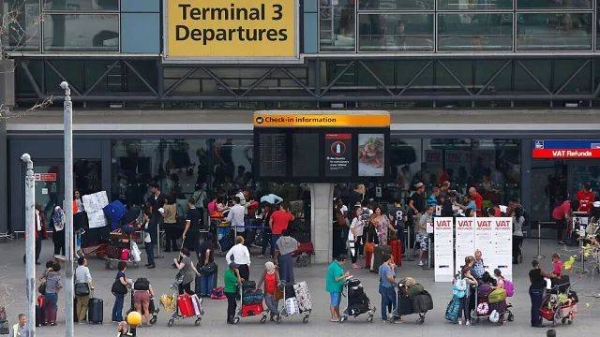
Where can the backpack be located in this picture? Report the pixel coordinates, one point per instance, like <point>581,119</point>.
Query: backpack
<point>509,287</point>
<point>459,288</point>
<point>141,284</point>
<point>453,310</point>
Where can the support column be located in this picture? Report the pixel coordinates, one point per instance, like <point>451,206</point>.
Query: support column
<point>526,163</point>
<point>3,177</point>
<point>321,221</point>
<point>7,102</point>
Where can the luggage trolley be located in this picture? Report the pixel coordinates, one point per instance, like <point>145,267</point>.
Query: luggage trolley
<point>115,252</point>
<point>358,302</point>
<point>186,306</point>
<point>299,300</point>
<point>249,309</point>
<point>151,307</point>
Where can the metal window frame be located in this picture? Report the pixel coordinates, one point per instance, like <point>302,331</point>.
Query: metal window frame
<point>592,33</point>
<point>118,51</point>
<point>428,13</point>
<point>437,33</point>
<point>514,11</point>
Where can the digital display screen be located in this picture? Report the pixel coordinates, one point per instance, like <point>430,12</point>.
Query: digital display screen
<point>273,154</point>
<point>338,154</point>
<point>305,155</point>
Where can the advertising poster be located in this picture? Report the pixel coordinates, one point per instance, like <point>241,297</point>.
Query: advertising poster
<point>465,240</point>
<point>434,160</point>
<point>484,241</point>
<point>443,233</point>
<point>371,155</point>
<point>502,229</point>
<point>338,152</point>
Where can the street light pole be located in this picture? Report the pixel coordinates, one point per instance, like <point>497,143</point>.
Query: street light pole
<point>68,206</point>
<point>30,231</point>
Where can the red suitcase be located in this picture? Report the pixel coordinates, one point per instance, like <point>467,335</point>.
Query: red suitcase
<point>186,308</point>
<point>397,251</point>
<point>252,309</point>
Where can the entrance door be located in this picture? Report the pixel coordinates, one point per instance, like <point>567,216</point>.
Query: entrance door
<point>553,181</point>
<point>48,186</point>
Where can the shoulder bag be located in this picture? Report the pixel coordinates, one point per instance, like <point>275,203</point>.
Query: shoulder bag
<point>82,289</point>
<point>118,287</point>
<point>209,269</point>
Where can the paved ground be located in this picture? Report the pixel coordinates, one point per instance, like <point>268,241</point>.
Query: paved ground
<point>319,325</point>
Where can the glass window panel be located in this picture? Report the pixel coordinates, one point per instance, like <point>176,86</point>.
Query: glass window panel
<point>535,4</point>
<point>396,32</point>
<point>81,32</point>
<point>550,31</point>
<point>493,166</point>
<point>23,25</point>
<point>396,4</point>
<point>470,31</point>
<point>82,5</point>
<point>337,21</point>
<point>474,5</point>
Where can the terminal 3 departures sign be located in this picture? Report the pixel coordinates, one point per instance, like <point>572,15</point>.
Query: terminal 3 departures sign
<point>321,146</point>
<point>231,30</point>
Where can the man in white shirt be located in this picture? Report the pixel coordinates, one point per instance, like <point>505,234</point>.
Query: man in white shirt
<point>82,275</point>
<point>241,256</point>
<point>236,217</point>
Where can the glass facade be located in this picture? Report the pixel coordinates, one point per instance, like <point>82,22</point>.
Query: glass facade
<point>493,166</point>
<point>456,25</point>
<point>62,26</point>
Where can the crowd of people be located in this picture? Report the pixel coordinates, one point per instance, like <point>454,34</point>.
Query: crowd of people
<point>359,226</point>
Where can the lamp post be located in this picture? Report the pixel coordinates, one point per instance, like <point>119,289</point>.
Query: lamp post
<point>68,206</point>
<point>30,231</point>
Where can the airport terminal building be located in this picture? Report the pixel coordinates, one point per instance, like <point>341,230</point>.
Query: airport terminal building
<point>502,94</point>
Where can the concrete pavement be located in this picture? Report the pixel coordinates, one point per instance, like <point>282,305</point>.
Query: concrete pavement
<point>214,320</point>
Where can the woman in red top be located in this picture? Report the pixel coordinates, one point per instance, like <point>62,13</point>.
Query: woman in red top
<point>270,278</point>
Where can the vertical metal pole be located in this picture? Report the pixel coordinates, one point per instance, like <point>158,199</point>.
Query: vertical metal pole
<point>30,229</point>
<point>3,177</point>
<point>539,254</point>
<point>68,206</point>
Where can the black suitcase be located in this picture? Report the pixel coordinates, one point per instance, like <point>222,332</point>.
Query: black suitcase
<point>378,254</point>
<point>96,311</point>
<point>39,316</point>
<point>4,328</point>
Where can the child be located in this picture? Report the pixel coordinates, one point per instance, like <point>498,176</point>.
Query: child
<point>557,265</point>
<point>271,279</point>
<point>231,279</point>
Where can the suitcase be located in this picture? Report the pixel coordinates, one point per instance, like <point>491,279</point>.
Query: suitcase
<point>396,251</point>
<point>185,305</point>
<point>115,211</point>
<point>251,309</point>
<point>4,329</point>
<point>95,311</point>
<point>39,315</point>
<point>253,296</point>
<point>453,310</point>
<point>404,305</point>
<point>422,303</point>
<point>114,252</point>
<point>378,254</point>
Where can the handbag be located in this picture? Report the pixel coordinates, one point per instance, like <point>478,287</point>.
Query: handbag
<point>147,238</point>
<point>209,269</point>
<point>118,288</point>
<point>42,288</point>
<point>179,278</point>
<point>136,254</point>
<point>369,247</point>
<point>82,289</point>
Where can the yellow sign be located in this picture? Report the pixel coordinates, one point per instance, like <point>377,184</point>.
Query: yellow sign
<point>332,120</point>
<point>231,29</point>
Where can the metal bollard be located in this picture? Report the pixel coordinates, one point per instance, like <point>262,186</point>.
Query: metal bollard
<point>539,254</point>
<point>407,256</point>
